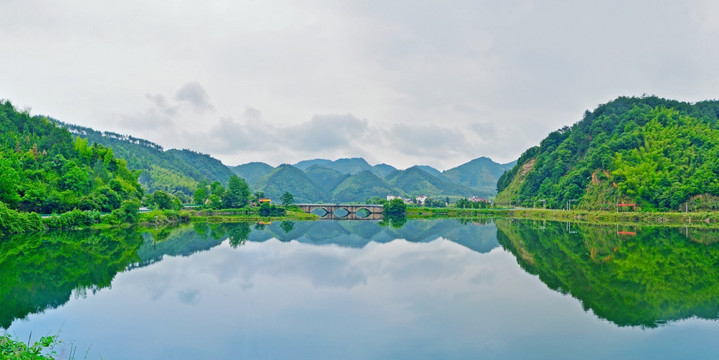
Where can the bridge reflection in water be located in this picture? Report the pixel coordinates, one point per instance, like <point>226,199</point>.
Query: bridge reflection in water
<point>344,212</point>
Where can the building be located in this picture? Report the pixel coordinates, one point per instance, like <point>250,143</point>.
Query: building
<point>420,199</point>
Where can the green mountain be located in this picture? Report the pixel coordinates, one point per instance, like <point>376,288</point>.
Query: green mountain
<point>480,174</point>
<point>306,164</point>
<point>252,172</point>
<point>653,152</point>
<point>171,171</point>
<point>205,165</point>
<point>289,178</point>
<point>347,166</point>
<point>42,169</point>
<point>415,181</point>
<point>430,170</point>
<point>362,186</point>
<point>326,178</point>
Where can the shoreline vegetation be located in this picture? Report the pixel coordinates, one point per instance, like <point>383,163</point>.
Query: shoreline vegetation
<point>707,219</point>
<point>14,222</point>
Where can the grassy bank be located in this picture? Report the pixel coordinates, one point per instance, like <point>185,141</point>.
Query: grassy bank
<point>216,216</point>
<point>694,219</point>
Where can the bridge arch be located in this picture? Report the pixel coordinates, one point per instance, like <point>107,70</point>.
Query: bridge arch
<point>353,211</point>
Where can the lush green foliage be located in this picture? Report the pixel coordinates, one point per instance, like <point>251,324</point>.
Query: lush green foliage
<point>434,203</point>
<point>43,170</point>
<point>467,204</point>
<point>267,209</point>
<point>16,350</point>
<point>394,207</point>
<point>171,171</point>
<point>215,196</point>
<point>237,195</point>
<point>14,222</point>
<point>287,199</point>
<point>655,276</point>
<point>654,152</point>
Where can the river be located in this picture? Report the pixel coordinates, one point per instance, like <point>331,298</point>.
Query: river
<point>435,289</point>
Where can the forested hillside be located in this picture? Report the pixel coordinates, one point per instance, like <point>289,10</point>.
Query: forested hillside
<point>291,179</point>
<point>480,174</point>
<point>252,172</point>
<point>657,153</point>
<point>42,169</point>
<point>170,171</point>
<point>419,182</point>
<point>362,186</point>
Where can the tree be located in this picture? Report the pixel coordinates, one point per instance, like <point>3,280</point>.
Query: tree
<point>395,207</point>
<point>238,193</point>
<point>287,198</point>
<point>200,196</point>
<point>163,200</point>
<point>9,180</point>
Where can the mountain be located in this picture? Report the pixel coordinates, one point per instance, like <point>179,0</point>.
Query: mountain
<point>289,178</point>
<point>362,186</point>
<point>415,181</point>
<point>306,164</point>
<point>326,178</point>
<point>430,170</point>
<point>252,172</point>
<point>171,171</point>
<point>351,165</point>
<point>383,170</point>
<point>347,166</point>
<point>480,174</point>
<point>205,165</point>
<point>43,169</point>
<point>652,152</point>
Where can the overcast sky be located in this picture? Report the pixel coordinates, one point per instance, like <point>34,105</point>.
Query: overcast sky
<point>400,82</point>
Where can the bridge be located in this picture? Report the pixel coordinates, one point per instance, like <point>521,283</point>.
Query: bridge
<point>348,212</point>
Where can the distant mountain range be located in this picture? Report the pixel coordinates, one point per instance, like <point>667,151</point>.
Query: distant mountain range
<point>316,180</point>
<point>355,180</point>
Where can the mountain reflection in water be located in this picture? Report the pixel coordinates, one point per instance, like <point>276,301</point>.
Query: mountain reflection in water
<point>436,288</point>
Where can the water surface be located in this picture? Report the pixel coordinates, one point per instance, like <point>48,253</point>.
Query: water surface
<point>354,289</point>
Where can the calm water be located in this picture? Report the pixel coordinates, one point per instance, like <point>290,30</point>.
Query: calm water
<point>357,290</point>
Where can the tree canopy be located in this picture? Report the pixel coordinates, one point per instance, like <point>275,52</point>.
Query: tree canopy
<point>42,169</point>
<point>654,152</point>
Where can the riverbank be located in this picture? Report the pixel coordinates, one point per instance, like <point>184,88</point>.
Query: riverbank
<point>692,219</point>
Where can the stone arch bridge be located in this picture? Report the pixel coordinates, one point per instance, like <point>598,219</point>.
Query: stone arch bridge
<point>374,212</point>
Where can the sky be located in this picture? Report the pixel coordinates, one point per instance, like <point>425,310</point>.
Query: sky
<point>397,82</point>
